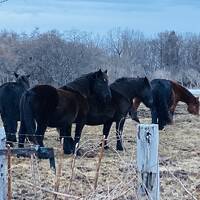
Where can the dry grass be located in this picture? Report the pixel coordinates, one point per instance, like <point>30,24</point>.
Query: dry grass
<point>179,152</point>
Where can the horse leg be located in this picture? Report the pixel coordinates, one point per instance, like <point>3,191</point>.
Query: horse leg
<point>106,130</point>
<point>154,116</point>
<point>10,126</point>
<point>78,131</point>
<point>119,130</point>
<point>161,123</point>
<point>65,132</point>
<point>22,136</point>
<point>174,102</point>
<point>41,128</point>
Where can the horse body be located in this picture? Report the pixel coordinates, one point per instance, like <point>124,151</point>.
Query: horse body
<point>166,99</point>
<point>123,91</point>
<point>10,95</point>
<point>51,107</point>
<point>162,95</point>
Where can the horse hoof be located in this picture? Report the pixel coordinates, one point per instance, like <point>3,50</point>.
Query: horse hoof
<point>10,144</point>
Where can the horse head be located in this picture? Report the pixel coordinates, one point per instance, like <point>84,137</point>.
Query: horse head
<point>193,107</point>
<point>100,86</point>
<point>146,95</point>
<point>22,79</point>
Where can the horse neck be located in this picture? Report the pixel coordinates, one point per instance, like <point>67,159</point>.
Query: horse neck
<point>183,94</point>
<point>128,87</point>
<point>137,88</point>
<point>24,85</point>
<point>81,85</point>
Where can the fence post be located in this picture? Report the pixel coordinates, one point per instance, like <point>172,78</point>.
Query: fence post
<point>147,161</point>
<point>3,166</point>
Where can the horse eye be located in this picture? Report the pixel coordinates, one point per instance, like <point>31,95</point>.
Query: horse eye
<point>104,80</point>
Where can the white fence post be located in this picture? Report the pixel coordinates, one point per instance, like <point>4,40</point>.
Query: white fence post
<point>3,167</point>
<point>147,161</point>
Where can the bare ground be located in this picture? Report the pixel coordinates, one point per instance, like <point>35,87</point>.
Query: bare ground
<point>179,152</point>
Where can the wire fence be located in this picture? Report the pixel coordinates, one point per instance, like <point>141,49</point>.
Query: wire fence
<point>118,176</point>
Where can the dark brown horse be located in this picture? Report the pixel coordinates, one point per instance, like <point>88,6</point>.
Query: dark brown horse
<point>51,107</point>
<point>179,93</point>
<point>123,91</point>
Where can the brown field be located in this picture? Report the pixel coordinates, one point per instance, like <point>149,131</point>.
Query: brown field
<point>179,152</point>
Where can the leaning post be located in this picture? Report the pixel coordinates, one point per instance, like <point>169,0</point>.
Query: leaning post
<point>148,162</point>
<point>3,166</point>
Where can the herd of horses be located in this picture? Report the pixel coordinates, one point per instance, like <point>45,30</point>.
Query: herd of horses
<point>88,100</point>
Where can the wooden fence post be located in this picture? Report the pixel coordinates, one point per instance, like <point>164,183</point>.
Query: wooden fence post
<point>147,161</point>
<point>3,167</point>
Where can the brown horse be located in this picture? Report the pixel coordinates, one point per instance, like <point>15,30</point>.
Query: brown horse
<point>179,93</point>
<point>184,95</point>
<point>51,107</point>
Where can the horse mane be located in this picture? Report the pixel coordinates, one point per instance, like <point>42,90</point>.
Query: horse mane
<point>81,85</point>
<point>124,86</point>
<point>180,89</point>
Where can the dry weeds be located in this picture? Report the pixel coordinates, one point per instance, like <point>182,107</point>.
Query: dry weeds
<point>179,152</point>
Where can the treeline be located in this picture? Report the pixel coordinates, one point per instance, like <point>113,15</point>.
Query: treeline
<point>56,58</point>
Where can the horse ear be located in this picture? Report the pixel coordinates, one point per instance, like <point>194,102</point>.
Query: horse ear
<point>98,73</point>
<point>16,75</point>
<point>106,71</point>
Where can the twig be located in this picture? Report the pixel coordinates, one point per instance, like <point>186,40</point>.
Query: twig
<point>99,163</point>
<point>182,185</point>
<point>72,168</point>
<point>58,174</point>
<point>38,174</point>
<point>33,175</point>
<point>9,173</point>
<point>50,191</point>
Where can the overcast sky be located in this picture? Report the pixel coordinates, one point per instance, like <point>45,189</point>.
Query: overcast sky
<point>99,16</point>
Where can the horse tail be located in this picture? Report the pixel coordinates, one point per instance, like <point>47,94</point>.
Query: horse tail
<point>26,114</point>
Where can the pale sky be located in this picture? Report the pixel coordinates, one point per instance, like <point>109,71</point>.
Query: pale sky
<point>100,16</point>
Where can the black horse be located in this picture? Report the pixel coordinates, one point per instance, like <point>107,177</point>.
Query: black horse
<point>163,100</point>
<point>59,108</point>
<point>123,91</point>
<point>10,94</point>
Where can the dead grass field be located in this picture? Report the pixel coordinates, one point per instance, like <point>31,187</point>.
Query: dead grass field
<point>179,152</point>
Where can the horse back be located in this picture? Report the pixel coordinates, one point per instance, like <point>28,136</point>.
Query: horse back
<point>73,103</point>
<point>41,101</point>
